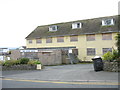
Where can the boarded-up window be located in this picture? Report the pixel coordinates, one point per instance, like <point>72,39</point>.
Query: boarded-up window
<point>107,36</point>
<point>39,40</point>
<point>90,37</point>
<point>48,40</point>
<point>105,50</point>
<point>73,38</point>
<point>30,41</point>
<point>60,39</point>
<point>91,51</point>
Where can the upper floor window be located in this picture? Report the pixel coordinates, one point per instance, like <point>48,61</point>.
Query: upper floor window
<point>91,51</point>
<point>60,39</point>
<point>107,36</point>
<point>39,40</point>
<point>90,37</point>
<point>76,25</point>
<point>49,40</point>
<point>29,41</point>
<point>105,50</point>
<point>107,22</point>
<point>53,28</point>
<point>73,38</point>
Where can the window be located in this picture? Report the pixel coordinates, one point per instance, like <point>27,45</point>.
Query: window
<point>107,22</point>
<point>90,37</point>
<point>60,39</point>
<point>29,41</point>
<point>73,38</point>
<point>53,28</point>
<point>91,51</point>
<point>76,25</point>
<point>107,36</point>
<point>48,40</point>
<point>105,50</point>
<point>39,40</point>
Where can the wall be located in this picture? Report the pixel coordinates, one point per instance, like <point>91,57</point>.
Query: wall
<point>112,66</point>
<point>50,57</point>
<point>81,45</point>
<point>15,54</point>
<point>47,57</point>
<point>19,67</point>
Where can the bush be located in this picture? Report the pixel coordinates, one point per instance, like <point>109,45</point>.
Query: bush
<point>118,43</point>
<point>108,56</point>
<point>24,60</point>
<point>18,62</point>
<point>33,62</point>
<point>37,62</point>
<point>115,55</point>
<point>11,62</point>
<point>111,56</point>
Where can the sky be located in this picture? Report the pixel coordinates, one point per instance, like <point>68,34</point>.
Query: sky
<point>18,18</point>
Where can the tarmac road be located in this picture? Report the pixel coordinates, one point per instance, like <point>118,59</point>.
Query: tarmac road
<point>64,76</point>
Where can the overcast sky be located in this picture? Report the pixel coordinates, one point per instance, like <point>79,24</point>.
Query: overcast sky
<point>20,17</point>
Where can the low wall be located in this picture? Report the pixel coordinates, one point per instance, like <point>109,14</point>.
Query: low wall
<point>19,67</point>
<point>111,66</point>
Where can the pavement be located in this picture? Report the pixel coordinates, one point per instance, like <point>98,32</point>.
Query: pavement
<point>63,73</point>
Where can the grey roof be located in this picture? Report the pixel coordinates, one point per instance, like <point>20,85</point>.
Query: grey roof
<point>89,26</point>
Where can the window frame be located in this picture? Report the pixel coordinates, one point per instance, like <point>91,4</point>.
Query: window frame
<point>106,37</point>
<point>90,37</point>
<point>51,28</point>
<point>91,52</point>
<point>60,39</point>
<point>30,41</point>
<point>73,38</point>
<point>49,40</point>
<point>38,41</point>
<point>104,22</point>
<point>107,50</point>
<point>75,25</point>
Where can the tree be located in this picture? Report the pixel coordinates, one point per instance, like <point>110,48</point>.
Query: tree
<point>118,43</point>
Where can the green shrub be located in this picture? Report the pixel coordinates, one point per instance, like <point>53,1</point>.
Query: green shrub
<point>37,62</point>
<point>11,62</point>
<point>33,62</point>
<point>118,43</point>
<point>111,56</point>
<point>115,55</point>
<point>24,60</point>
<point>108,56</point>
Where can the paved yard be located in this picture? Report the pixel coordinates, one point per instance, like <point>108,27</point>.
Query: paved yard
<point>78,72</point>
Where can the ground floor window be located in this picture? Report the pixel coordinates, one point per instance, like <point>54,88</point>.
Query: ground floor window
<point>91,51</point>
<point>105,50</point>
